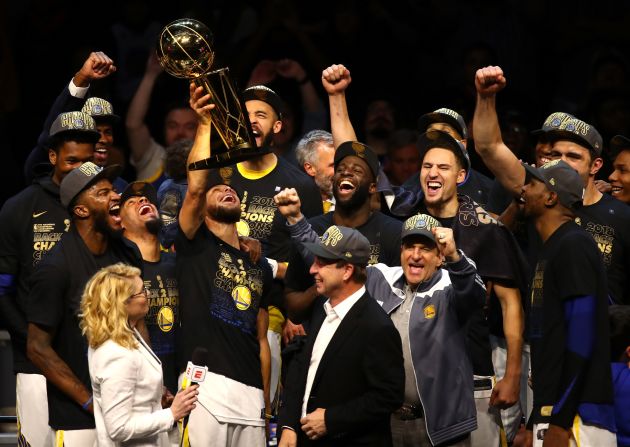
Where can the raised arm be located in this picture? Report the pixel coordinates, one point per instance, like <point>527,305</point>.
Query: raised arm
<point>97,66</point>
<point>336,80</point>
<point>193,208</point>
<point>314,113</point>
<point>487,134</point>
<point>469,290</point>
<point>137,130</point>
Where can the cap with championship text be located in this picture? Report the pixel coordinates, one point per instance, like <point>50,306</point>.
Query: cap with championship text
<point>74,122</point>
<point>139,189</point>
<point>341,243</point>
<point>420,225</point>
<point>562,179</point>
<point>83,177</point>
<point>99,108</point>
<point>360,150</point>
<point>553,121</point>
<point>444,115</point>
<point>579,132</point>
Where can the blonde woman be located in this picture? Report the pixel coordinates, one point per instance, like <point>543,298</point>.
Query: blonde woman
<point>126,375</point>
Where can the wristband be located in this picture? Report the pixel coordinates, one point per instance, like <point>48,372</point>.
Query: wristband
<point>87,403</point>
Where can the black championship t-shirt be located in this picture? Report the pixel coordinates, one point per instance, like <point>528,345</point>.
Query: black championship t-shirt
<point>260,218</point>
<point>382,231</point>
<point>57,285</point>
<point>31,223</point>
<point>221,291</point>
<point>569,266</point>
<point>608,221</point>
<point>498,258</point>
<point>162,320</point>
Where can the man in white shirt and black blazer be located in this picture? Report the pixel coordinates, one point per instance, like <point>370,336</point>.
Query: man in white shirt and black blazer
<point>349,376</point>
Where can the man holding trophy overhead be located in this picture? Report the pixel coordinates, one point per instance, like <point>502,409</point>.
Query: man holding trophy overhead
<point>245,124</point>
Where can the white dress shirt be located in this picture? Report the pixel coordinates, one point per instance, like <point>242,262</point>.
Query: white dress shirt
<point>334,316</point>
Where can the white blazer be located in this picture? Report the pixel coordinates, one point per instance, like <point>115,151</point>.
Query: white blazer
<point>127,387</point>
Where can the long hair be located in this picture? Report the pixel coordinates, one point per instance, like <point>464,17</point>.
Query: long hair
<point>103,312</point>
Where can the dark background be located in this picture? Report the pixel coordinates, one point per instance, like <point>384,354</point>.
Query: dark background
<point>419,55</point>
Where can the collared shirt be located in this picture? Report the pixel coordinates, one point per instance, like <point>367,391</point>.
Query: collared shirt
<point>334,316</point>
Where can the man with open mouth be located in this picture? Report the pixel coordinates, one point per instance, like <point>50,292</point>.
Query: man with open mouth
<point>620,177</point>
<point>141,224</point>
<point>257,180</point>
<point>54,342</point>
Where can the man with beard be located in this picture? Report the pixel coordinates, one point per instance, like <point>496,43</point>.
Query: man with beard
<point>223,308</point>
<point>257,180</point>
<point>315,152</point>
<point>32,223</point>
<point>569,326</point>
<point>580,145</point>
<point>141,224</point>
<point>54,342</point>
<point>356,169</point>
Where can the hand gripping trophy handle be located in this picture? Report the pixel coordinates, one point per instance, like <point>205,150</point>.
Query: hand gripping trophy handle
<point>185,51</point>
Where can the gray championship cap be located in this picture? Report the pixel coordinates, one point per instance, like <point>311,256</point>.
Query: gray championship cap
<point>341,243</point>
<point>74,122</point>
<point>441,140</point>
<point>552,122</point>
<point>99,108</point>
<point>420,225</point>
<point>562,179</point>
<point>579,132</point>
<point>444,115</point>
<point>83,177</point>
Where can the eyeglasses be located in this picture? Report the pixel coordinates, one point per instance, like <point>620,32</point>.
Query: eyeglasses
<point>144,292</point>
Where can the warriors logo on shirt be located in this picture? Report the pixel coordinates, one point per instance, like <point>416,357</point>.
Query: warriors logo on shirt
<point>429,312</point>
<point>242,297</point>
<point>165,318</point>
<point>258,213</point>
<point>242,228</point>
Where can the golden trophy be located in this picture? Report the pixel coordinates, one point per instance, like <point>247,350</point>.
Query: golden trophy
<point>185,51</point>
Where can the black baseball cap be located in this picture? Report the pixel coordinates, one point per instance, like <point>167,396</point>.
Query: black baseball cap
<point>341,243</point>
<point>562,179</point>
<point>264,94</point>
<point>139,189</point>
<point>553,121</point>
<point>420,225</point>
<point>618,143</point>
<point>438,139</point>
<point>579,132</point>
<point>360,150</point>
<point>444,115</point>
<point>79,179</point>
<point>99,108</point>
<point>74,122</point>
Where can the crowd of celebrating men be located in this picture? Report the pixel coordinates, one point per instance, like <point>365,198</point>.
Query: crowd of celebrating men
<point>345,306</point>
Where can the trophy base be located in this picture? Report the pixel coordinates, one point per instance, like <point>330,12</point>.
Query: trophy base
<point>227,158</point>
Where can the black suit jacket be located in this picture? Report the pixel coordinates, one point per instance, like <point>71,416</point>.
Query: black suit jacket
<point>359,381</point>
